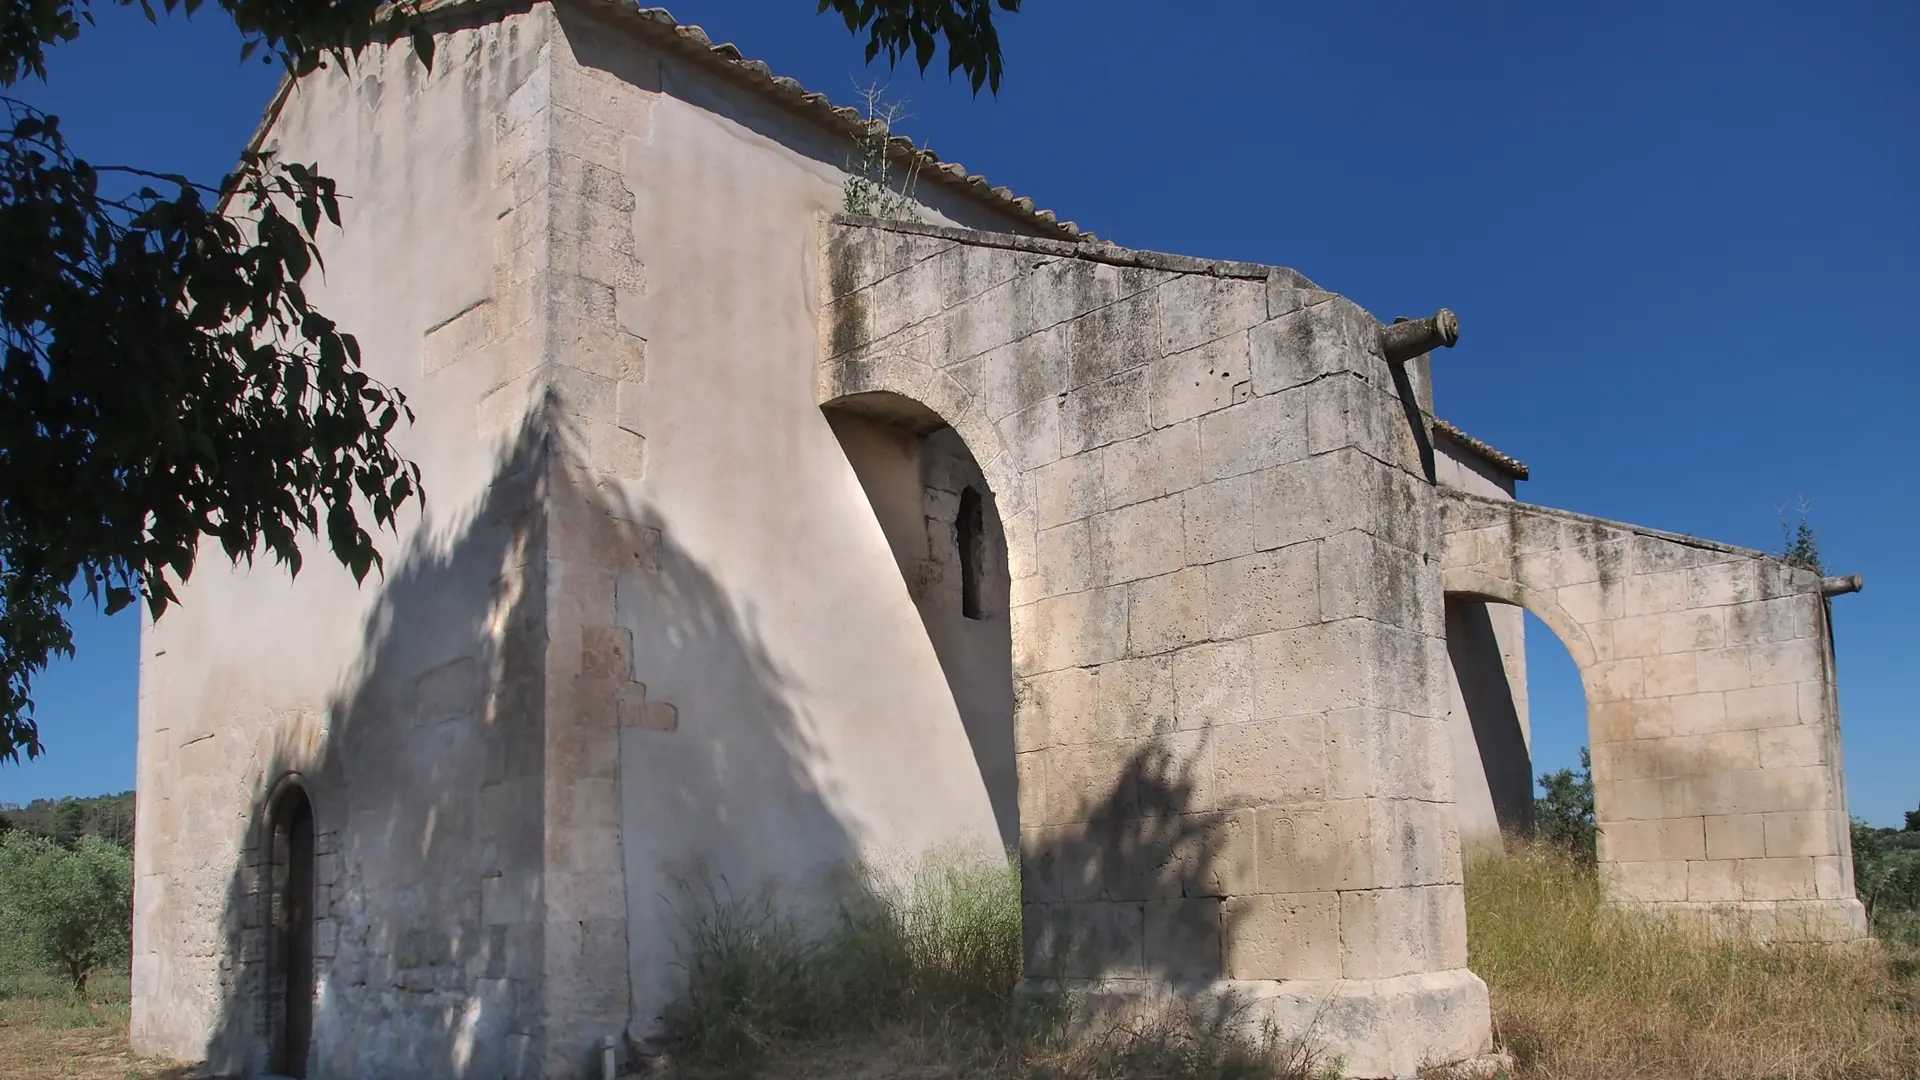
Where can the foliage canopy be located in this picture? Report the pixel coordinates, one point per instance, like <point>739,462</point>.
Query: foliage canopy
<point>164,380</point>
<point>1563,813</point>
<point>71,910</point>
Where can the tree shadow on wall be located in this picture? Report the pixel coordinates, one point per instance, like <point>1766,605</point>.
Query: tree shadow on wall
<point>458,778</point>
<point>1135,885</point>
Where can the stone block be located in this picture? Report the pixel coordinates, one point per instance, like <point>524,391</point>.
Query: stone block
<point>1115,338</point>
<point>648,715</point>
<point>1697,714</point>
<point>1033,785</point>
<point>1218,520</point>
<point>1075,630</point>
<point>1657,840</point>
<point>1390,932</point>
<point>614,451</point>
<point>1166,612</point>
<point>1800,661</point>
<point>1668,674</point>
<point>1064,561</point>
<point>1031,436</point>
<point>1767,790</point>
<point>1787,747</point>
<point>1273,761</point>
<point>1722,669</point>
<point>1713,882</point>
<point>1104,412</point>
<point>1289,290</point>
<point>1777,879</point>
<point>1617,680</point>
<point>1043,935</point>
<point>1138,541</point>
<point>1301,346</point>
<point>1315,847</point>
<point>1414,842</point>
<point>1213,684</point>
<point>1763,707</point>
<point>1068,490</point>
<point>1762,622</point>
<point>1793,833</point>
<point>1282,936</point>
<point>1360,577</point>
<point>1812,700</point>
<point>1644,882</point>
<point>1199,381</point>
<point>1833,877</point>
<point>1720,584</point>
<point>1135,698</point>
<point>1066,289</point>
<point>1104,940</point>
<point>1592,601</point>
<point>1253,435</point>
<point>1346,411</point>
<point>1019,375</point>
<point>1637,635</point>
<point>1643,759</point>
<point>1182,938</point>
<point>1159,463</point>
<point>1196,309</point>
<point>1619,721</point>
<point>1057,708</point>
<point>1340,665</point>
<point>1315,498</point>
<point>1270,590</point>
<point>1636,800</point>
<point>1735,836</point>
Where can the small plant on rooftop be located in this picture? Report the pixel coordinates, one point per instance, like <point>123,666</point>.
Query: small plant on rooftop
<point>872,187</point>
<point>1799,544</point>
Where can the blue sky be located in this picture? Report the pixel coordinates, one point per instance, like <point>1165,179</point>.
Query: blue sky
<point>1683,241</point>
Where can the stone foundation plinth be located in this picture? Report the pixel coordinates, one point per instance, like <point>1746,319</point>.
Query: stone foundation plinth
<point>1784,921</point>
<point>1373,1028</point>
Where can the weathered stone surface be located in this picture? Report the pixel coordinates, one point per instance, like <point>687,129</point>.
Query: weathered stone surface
<point>1710,701</point>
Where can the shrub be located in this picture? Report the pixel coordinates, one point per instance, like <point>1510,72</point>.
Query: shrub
<point>70,911</point>
<point>1563,814</point>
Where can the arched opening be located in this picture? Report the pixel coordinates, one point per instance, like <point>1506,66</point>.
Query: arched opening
<point>1488,719</point>
<point>290,922</point>
<point>1517,710</point>
<point>934,505</point>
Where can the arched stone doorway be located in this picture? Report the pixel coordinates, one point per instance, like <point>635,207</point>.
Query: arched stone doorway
<point>290,972</point>
<point>941,520</point>
<point>1711,709</point>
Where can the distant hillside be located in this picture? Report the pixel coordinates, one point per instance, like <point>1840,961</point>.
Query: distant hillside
<point>65,821</point>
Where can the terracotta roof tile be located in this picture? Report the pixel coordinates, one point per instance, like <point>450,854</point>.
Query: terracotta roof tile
<point>1511,466</point>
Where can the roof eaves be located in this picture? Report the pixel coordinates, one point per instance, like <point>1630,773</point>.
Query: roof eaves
<point>1511,466</point>
<point>693,42</point>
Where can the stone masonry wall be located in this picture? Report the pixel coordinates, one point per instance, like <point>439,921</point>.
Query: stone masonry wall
<point>1228,643</point>
<point>1710,695</point>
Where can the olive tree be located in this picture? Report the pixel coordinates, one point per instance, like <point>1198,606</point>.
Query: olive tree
<point>69,911</point>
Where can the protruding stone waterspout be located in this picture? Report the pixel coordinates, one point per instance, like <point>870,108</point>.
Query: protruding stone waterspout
<point>1402,341</point>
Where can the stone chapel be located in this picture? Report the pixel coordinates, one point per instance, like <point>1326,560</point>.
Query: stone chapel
<point>761,539</point>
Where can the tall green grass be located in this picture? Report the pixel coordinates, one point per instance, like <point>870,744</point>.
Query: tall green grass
<point>1582,991</point>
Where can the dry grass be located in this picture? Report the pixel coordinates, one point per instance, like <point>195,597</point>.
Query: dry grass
<point>1584,993</point>
<point>45,1033</point>
<point>915,980</point>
